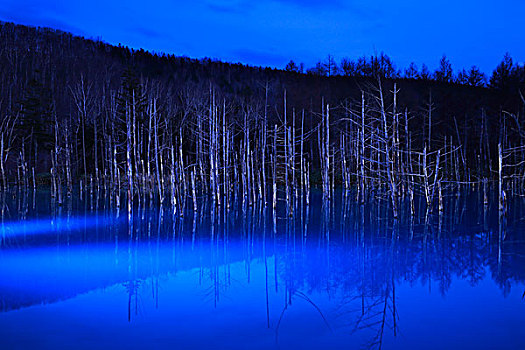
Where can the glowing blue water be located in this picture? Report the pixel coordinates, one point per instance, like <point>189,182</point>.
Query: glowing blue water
<point>345,276</point>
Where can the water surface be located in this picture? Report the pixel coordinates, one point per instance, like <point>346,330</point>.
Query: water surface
<point>338,275</point>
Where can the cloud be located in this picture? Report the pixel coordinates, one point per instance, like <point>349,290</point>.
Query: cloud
<point>32,13</point>
<point>150,33</point>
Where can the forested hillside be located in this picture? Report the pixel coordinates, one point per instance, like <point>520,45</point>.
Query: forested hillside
<point>76,108</point>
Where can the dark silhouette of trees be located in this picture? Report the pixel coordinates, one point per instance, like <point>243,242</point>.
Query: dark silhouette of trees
<point>293,67</point>
<point>330,66</point>
<point>444,72</point>
<point>473,77</point>
<point>425,73</point>
<point>77,95</point>
<point>319,70</point>
<point>348,67</point>
<point>384,66</point>
<point>371,67</point>
<point>411,72</point>
<point>37,112</point>
<point>506,76</point>
<point>502,76</point>
<point>326,68</point>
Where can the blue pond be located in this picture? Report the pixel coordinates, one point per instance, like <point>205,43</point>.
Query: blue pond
<point>339,275</point>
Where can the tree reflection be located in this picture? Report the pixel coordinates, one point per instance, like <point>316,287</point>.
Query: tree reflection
<point>342,260</point>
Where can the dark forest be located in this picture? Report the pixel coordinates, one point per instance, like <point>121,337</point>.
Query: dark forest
<point>77,110</point>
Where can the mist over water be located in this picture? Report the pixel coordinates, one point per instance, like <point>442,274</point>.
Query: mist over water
<point>330,275</point>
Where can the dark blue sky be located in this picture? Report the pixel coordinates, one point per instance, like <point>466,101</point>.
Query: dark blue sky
<point>271,32</point>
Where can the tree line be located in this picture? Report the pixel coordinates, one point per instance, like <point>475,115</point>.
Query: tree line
<point>504,76</point>
<point>150,126</point>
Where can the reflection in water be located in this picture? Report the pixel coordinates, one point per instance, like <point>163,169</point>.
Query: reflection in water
<point>338,275</point>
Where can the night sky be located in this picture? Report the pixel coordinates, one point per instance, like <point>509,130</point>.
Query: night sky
<point>271,32</point>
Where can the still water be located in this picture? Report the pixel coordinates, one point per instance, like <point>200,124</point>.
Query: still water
<point>339,275</point>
